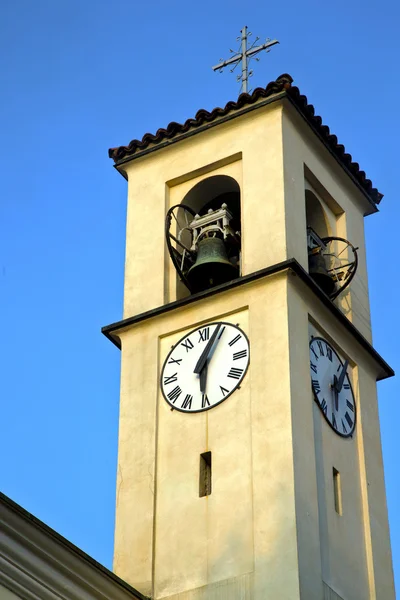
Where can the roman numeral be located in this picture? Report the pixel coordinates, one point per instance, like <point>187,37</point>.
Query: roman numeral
<point>324,406</point>
<point>316,386</point>
<point>313,367</point>
<point>174,394</point>
<point>239,355</point>
<point>221,331</point>
<point>170,379</point>
<point>334,421</point>
<point>187,403</point>
<point>235,373</point>
<point>329,353</point>
<point>346,386</point>
<point>344,427</point>
<point>205,401</point>
<point>224,390</point>
<point>321,348</point>
<point>204,334</point>
<point>175,360</point>
<point>348,419</point>
<point>235,339</point>
<point>349,404</point>
<point>313,351</point>
<point>187,344</point>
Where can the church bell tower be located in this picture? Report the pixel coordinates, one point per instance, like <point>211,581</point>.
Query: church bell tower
<point>249,461</point>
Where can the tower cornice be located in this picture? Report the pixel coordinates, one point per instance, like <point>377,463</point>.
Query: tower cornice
<point>292,265</point>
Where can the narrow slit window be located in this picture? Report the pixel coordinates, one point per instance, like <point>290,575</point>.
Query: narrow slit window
<point>337,491</point>
<point>205,474</point>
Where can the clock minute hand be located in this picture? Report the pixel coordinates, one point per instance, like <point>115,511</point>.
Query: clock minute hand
<point>204,355</point>
<point>339,383</point>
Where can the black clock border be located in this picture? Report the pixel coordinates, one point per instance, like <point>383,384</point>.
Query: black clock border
<point>343,435</point>
<point>207,324</point>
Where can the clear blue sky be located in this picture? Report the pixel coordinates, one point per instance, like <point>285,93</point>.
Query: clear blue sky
<point>79,76</point>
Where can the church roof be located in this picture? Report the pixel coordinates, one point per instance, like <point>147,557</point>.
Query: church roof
<point>38,562</point>
<point>282,87</point>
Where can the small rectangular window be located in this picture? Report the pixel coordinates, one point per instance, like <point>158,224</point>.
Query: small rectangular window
<point>205,474</point>
<point>337,491</point>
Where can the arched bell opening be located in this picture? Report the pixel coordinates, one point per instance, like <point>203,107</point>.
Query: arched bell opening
<point>206,194</point>
<point>332,260</point>
<point>318,229</point>
<point>316,217</point>
<point>204,234</point>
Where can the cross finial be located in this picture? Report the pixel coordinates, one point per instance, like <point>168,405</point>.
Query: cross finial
<point>244,56</point>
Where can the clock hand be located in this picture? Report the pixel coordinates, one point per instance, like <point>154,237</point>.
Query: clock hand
<point>204,355</point>
<point>335,391</point>
<point>203,378</point>
<point>339,383</point>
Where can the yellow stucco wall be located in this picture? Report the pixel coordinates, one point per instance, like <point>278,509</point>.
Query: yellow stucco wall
<point>270,519</point>
<point>247,525</point>
<point>160,179</point>
<point>307,161</point>
<point>274,157</point>
<point>353,550</point>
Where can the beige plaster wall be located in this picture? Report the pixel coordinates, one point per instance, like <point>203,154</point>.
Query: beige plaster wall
<point>352,551</point>
<point>243,536</point>
<point>252,154</point>
<point>306,158</point>
<point>200,540</point>
<point>274,156</point>
<point>269,528</point>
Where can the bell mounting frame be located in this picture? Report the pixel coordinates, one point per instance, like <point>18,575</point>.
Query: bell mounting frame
<point>341,273</point>
<point>183,258</point>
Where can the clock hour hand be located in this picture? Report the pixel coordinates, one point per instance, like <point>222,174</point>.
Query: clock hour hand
<point>203,378</point>
<point>339,382</point>
<point>207,350</point>
<point>335,391</point>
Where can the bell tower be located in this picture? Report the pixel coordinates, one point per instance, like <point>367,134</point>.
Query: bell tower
<point>249,461</point>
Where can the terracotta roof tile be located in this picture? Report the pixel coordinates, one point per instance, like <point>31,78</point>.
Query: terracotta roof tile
<point>283,84</point>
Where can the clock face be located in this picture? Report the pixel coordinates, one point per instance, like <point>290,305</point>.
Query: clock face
<point>332,387</point>
<point>205,367</point>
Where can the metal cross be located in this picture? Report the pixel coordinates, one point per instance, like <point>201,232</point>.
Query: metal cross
<point>244,56</point>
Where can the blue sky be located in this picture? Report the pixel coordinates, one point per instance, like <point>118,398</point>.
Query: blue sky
<point>81,76</point>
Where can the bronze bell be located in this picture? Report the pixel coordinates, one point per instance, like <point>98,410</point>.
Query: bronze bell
<point>212,266</point>
<point>319,272</point>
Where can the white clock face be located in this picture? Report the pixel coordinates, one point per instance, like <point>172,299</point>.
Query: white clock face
<point>332,387</point>
<point>205,367</point>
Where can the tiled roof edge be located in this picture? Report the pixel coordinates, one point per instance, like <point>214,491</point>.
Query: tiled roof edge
<point>282,84</point>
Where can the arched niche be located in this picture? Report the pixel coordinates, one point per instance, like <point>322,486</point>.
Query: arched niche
<point>316,216</point>
<point>211,194</point>
<point>318,227</point>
